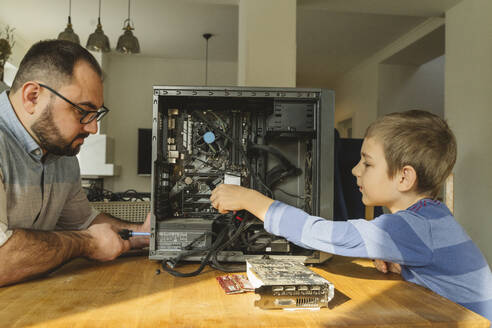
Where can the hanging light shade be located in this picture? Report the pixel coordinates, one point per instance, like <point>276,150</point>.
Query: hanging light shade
<point>69,34</point>
<point>98,41</point>
<point>128,43</point>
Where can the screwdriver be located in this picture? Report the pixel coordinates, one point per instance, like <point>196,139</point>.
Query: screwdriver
<point>126,234</point>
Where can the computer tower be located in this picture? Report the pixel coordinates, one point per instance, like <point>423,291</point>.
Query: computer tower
<point>278,141</point>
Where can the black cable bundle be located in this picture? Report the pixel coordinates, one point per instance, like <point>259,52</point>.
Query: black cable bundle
<point>97,194</point>
<point>211,253</point>
<point>278,173</point>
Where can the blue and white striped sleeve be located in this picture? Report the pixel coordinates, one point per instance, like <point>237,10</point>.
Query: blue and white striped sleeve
<point>314,232</point>
<point>356,238</point>
<point>401,238</point>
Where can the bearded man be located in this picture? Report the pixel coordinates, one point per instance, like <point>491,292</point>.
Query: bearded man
<point>55,102</point>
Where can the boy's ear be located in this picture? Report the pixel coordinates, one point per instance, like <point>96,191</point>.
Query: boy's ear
<point>407,178</point>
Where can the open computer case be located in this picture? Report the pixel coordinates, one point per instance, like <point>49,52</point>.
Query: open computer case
<point>278,141</point>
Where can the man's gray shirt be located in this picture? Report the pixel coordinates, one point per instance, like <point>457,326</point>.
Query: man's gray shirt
<point>34,193</point>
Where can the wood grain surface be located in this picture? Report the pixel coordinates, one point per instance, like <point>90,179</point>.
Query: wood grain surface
<point>129,293</point>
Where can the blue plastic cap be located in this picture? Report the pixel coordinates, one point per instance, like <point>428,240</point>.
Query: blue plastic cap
<point>209,137</point>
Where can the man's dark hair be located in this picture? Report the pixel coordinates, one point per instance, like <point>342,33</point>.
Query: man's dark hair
<point>52,62</point>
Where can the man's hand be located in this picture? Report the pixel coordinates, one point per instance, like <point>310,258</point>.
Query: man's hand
<point>141,241</point>
<point>386,267</point>
<point>117,224</point>
<point>105,243</point>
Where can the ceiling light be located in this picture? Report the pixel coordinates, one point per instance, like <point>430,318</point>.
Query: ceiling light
<point>128,43</point>
<point>98,41</point>
<point>69,34</point>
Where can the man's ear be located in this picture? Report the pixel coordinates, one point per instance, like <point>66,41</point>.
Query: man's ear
<point>407,178</point>
<point>30,96</point>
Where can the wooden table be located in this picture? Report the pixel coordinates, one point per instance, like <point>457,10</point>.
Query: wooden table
<point>128,293</point>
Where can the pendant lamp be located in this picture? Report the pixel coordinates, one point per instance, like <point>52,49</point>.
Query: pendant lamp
<point>98,41</point>
<point>128,43</point>
<point>69,34</point>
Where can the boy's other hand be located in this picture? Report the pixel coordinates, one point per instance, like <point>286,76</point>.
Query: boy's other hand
<point>228,197</point>
<point>386,267</point>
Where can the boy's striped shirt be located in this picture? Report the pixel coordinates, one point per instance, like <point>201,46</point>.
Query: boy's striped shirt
<point>432,248</point>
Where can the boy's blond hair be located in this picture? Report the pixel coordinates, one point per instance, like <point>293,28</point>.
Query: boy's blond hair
<point>419,139</point>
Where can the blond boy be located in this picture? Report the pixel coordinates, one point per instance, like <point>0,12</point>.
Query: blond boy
<point>405,158</point>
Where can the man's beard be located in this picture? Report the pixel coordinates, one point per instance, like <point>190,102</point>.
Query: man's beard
<point>49,135</point>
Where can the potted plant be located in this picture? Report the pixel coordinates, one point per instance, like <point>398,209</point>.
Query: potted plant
<point>6,45</point>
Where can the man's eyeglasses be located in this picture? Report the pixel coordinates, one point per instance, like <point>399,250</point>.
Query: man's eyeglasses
<point>87,115</point>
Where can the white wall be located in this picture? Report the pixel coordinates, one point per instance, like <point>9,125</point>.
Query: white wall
<point>266,51</point>
<point>128,94</point>
<point>357,94</point>
<point>467,105</point>
<point>405,87</point>
<point>468,102</point>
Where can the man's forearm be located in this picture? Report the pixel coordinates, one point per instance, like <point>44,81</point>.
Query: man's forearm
<point>28,253</point>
